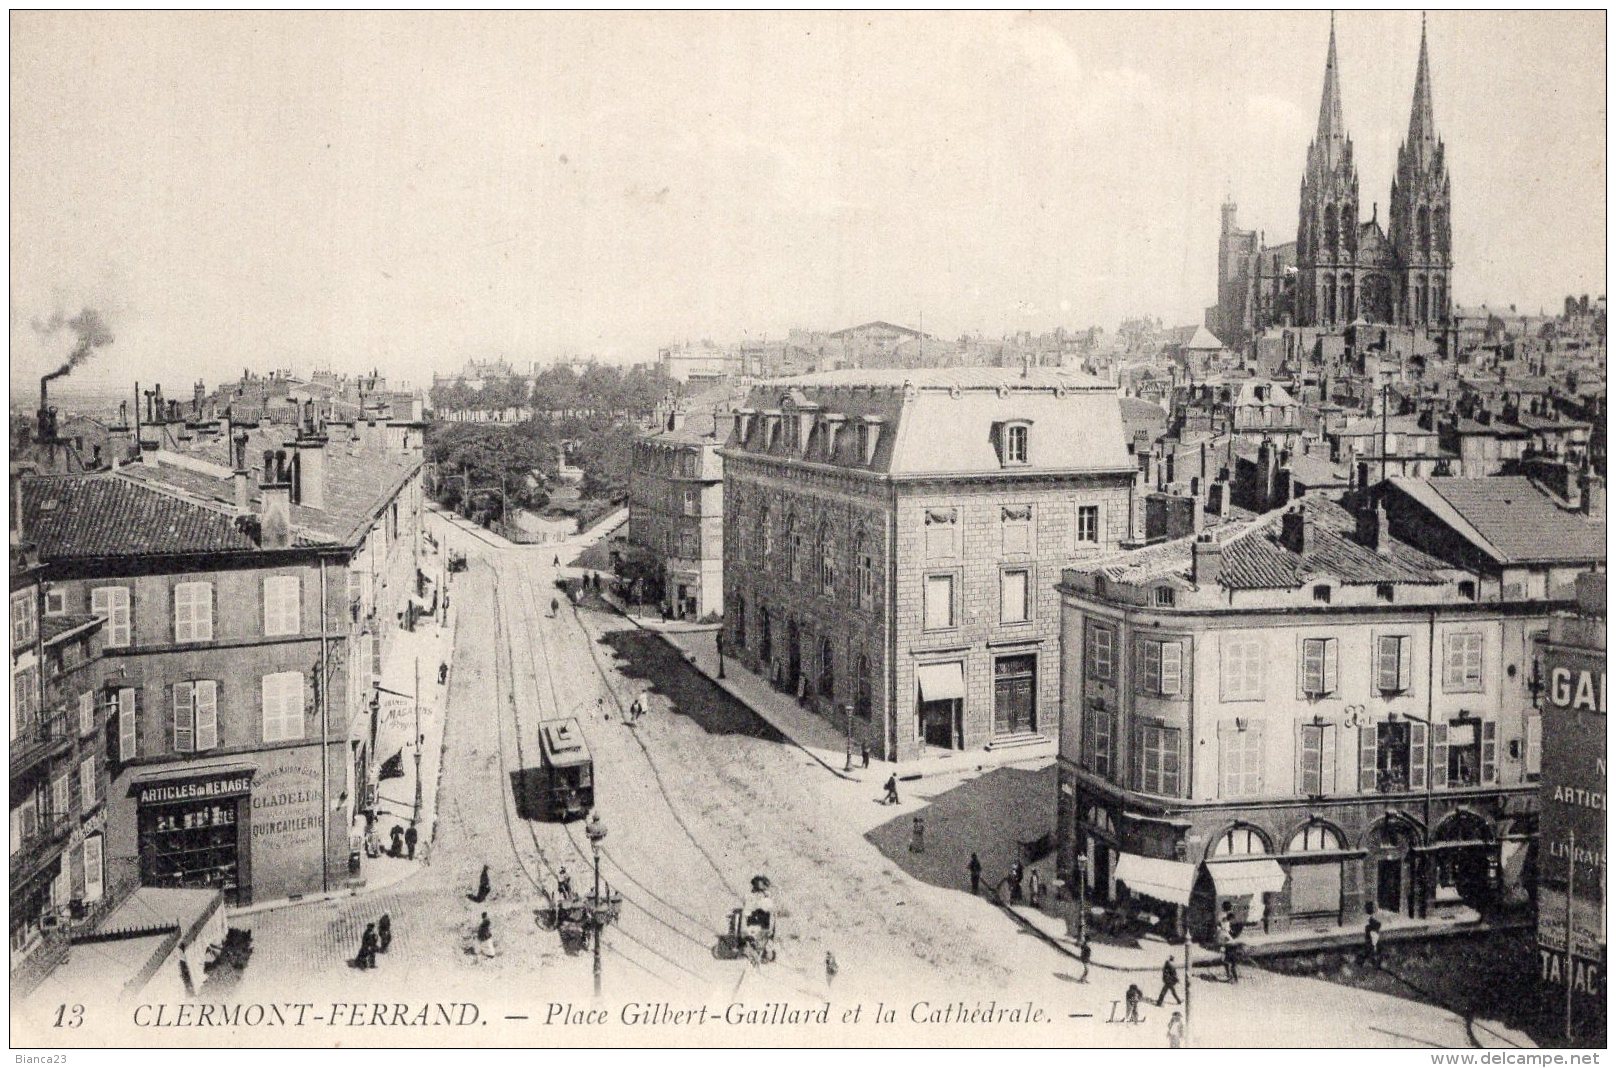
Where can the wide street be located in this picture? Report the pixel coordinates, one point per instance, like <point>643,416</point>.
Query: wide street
<point>697,797</point>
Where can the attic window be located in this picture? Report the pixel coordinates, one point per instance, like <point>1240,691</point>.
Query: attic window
<point>1467,590</point>
<point>1164,596</point>
<point>1384,592</point>
<point>1321,594</point>
<point>1013,447</point>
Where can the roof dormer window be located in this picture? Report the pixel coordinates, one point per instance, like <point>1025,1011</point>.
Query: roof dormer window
<point>1014,441</point>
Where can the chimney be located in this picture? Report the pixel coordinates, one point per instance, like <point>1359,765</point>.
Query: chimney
<point>1293,530</point>
<point>1206,561</point>
<point>198,393</point>
<point>1267,471</point>
<point>1593,497</point>
<point>723,425</point>
<point>241,476</point>
<point>309,473</point>
<point>1372,527</point>
<point>1197,514</point>
<point>275,505</point>
<point>676,419</point>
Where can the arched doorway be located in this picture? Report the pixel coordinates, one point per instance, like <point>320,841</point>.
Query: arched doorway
<point>1388,865</point>
<point>1313,873</point>
<point>1461,862</point>
<point>793,656</point>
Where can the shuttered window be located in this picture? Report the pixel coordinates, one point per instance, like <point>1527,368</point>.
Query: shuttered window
<point>111,603</point>
<point>282,605</point>
<point>1161,668</point>
<point>193,612</point>
<point>1242,668</point>
<point>1416,756</point>
<point>1534,745</point>
<point>1101,663</point>
<point>86,711</point>
<point>1489,752</point>
<point>1241,758</point>
<point>1439,756</point>
<point>1158,760</point>
<point>1320,670</point>
<point>92,868</point>
<point>1461,663</point>
<point>184,718</point>
<point>283,706</point>
<point>1098,719</point>
<point>1392,663</point>
<point>89,782</point>
<point>1318,759</point>
<point>1366,758</point>
<point>123,702</point>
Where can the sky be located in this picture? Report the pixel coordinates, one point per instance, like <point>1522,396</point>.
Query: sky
<point>405,191</point>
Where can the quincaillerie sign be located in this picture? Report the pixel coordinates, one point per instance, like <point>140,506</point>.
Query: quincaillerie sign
<point>178,791</point>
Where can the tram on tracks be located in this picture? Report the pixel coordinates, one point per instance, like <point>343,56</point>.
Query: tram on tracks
<point>567,782</point>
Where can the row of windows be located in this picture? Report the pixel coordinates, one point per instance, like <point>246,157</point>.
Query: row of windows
<point>194,720</point>
<point>74,790</point>
<point>940,609</point>
<point>194,609</point>
<point>823,669</point>
<point>1244,664</point>
<point>1392,757</point>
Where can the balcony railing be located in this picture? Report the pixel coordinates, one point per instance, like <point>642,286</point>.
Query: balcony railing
<point>36,847</point>
<point>40,738</point>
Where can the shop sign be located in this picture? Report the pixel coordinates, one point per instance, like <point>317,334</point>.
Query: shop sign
<point>178,791</point>
<point>1587,920</point>
<point>286,808</point>
<point>1586,976</point>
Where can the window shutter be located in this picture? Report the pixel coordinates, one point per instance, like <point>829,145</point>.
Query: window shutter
<point>1489,751</point>
<point>1366,758</point>
<point>1439,755</point>
<point>1331,668</point>
<point>127,727</point>
<point>1312,666</point>
<point>1258,752</point>
<point>1099,524</point>
<point>1312,760</point>
<point>92,868</point>
<point>1327,760</point>
<point>1403,665</point>
<point>1172,667</point>
<point>184,717</point>
<point>207,715</point>
<point>1416,756</point>
<point>1534,744</point>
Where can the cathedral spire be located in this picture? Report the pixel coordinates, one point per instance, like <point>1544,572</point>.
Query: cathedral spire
<point>1332,130</point>
<point>1421,118</point>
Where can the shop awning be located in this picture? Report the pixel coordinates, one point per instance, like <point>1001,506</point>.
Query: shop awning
<point>1164,880</point>
<point>941,682</point>
<point>1233,878</point>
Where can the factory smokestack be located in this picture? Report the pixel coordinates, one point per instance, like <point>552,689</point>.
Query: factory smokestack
<point>90,332</point>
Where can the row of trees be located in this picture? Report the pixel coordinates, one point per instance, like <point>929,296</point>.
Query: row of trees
<point>600,389</point>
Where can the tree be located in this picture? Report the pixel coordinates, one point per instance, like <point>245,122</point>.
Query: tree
<point>556,390</point>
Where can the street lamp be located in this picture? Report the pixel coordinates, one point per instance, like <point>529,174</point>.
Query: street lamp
<point>601,910</point>
<point>847,713</point>
<point>1080,865</point>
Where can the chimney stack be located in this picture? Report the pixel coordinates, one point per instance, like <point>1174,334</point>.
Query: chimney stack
<point>1293,530</point>
<point>1206,561</point>
<point>1372,527</point>
<point>240,475</point>
<point>1593,497</point>
<point>275,492</point>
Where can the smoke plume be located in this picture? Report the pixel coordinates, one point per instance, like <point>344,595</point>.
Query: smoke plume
<point>89,329</point>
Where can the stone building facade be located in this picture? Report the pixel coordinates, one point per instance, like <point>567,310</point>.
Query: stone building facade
<point>893,539</point>
<point>676,512</point>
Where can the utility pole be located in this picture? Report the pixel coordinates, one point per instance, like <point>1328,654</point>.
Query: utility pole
<point>415,813</point>
<point>1188,976</point>
<point>1385,391</point>
<point>847,715</point>
<point>1571,885</point>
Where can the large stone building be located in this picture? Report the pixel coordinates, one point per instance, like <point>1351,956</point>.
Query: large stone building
<point>1341,268</point>
<point>245,613</point>
<point>676,513</point>
<point>892,540</point>
<point>1317,710</point>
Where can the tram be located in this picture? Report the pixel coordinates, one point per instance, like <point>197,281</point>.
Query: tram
<point>568,774</point>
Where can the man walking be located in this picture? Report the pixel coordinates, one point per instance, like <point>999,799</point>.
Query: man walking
<point>443,672</point>
<point>1371,936</point>
<point>864,753</point>
<point>892,790</point>
<point>367,948</point>
<point>1169,984</point>
<point>1231,962</point>
<point>1131,1000</point>
<point>1035,888</point>
<point>1084,953</point>
<point>483,887</point>
<point>1016,874</point>
<point>975,868</point>
<point>384,933</point>
<point>396,849</point>
<point>411,837</point>
<point>917,842</point>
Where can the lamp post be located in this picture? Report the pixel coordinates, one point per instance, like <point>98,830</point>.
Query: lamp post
<point>595,831</point>
<point>1080,869</point>
<point>847,713</point>
<point>718,641</point>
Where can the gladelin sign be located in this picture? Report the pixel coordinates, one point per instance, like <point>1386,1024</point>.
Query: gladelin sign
<point>1572,825</point>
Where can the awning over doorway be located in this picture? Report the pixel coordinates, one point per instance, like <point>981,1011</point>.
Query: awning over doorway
<point>941,682</point>
<point>1164,880</point>
<point>1236,877</point>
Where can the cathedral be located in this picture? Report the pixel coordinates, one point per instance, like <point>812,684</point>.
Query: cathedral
<point>1342,268</point>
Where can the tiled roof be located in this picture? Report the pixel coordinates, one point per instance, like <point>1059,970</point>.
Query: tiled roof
<point>1509,517</point>
<point>1254,558</point>
<point>110,515</point>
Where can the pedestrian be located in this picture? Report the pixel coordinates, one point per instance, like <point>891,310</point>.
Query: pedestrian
<point>483,887</point>
<point>830,967</point>
<point>1371,936</point>
<point>554,606</point>
<point>1225,930</point>
<point>1175,1031</point>
<point>864,753</point>
<point>892,790</point>
<point>485,929</point>
<point>718,642</point>
<point>1132,999</point>
<point>443,673</point>
<point>367,947</point>
<point>396,849</point>
<point>975,868</point>
<point>384,932</point>
<point>411,837</point>
<point>1169,984</point>
<point>917,840</point>
<point>1017,872</point>
<point>1231,962</point>
<point>1035,888</point>
<point>556,562</point>
<point>563,884</point>
<point>1084,953</point>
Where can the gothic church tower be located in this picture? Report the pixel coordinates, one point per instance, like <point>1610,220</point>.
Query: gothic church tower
<point>1420,218</point>
<point>1327,232</point>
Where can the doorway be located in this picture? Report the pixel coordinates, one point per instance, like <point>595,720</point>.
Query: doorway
<point>1389,884</point>
<point>793,656</point>
<point>937,723</point>
<point>1014,702</point>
